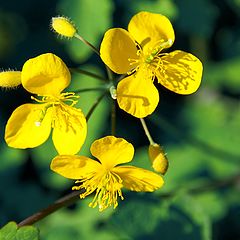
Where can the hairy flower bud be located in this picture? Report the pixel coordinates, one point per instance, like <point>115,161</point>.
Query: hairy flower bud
<point>10,79</point>
<point>63,26</point>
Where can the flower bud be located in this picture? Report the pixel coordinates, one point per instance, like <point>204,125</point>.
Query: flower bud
<point>63,26</point>
<point>158,158</point>
<point>10,79</point>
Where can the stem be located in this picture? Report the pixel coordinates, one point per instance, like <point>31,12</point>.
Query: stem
<point>89,89</point>
<point>62,202</point>
<point>74,196</point>
<point>147,131</point>
<point>113,118</point>
<point>95,105</point>
<point>77,70</point>
<point>87,43</point>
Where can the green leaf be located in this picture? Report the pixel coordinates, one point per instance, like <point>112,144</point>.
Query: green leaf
<point>8,232</point>
<point>191,22</point>
<point>224,74</point>
<point>82,12</point>
<point>11,232</point>
<point>27,233</point>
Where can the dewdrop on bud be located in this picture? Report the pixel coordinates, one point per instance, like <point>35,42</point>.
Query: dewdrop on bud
<point>63,26</point>
<point>158,158</point>
<point>10,79</point>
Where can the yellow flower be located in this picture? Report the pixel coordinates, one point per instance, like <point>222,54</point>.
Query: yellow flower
<point>104,175</point>
<point>138,52</point>
<point>30,124</point>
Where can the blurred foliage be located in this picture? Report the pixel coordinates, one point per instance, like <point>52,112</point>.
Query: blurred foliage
<point>200,133</point>
<point>11,232</point>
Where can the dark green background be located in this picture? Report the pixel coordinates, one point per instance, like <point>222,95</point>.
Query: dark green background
<point>200,132</point>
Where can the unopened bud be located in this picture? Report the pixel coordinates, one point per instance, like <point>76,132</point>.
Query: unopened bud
<point>158,158</point>
<point>10,79</point>
<point>63,26</point>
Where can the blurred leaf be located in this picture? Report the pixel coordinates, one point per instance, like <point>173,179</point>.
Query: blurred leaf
<point>224,74</point>
<point>165,7</point>
<point>197,213</point>
<point>83,223</point>
<point>196,17</point>
<point>216,127</point>
<point>11,232</point>
<point>92,18</point>
<point>213,205</point>
<point>146,221</point>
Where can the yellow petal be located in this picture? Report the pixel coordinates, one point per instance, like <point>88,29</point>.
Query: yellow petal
<point>139,179</point>
<point>137,95</point>
<point>111,151</point>
<point>28,126</point>
<point>181,72</point>
<point>158,158</point>
<point>116,49</point>
<point>9,79</point>
<point>149,29</point>
<point>74,167</point>
<point>46,74</point>
<point>70,129</point>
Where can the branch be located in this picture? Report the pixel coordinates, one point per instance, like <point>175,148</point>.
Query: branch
<point>74,196</point>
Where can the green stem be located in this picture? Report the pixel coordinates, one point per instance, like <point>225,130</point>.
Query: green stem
<point>95,105</point>
<point>93,75</point>
<point>90,89</point>
<point>147,131</point>
<point>113,118</point>
<point>87,43</point>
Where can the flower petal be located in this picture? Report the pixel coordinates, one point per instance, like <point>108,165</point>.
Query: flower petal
<point>46,74</point>
<point>70,129</point>
<point>149,29</point>
<point>116,49</point>
<point>181,72</point>
<point>139,179</point>
<point>74,167</point>
<point>137,95</point>
<point>112,151</point>
<point>28,126</point>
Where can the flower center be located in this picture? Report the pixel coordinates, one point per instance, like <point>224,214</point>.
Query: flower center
<point>108,188</point>
<point>150,61</point>
<point>55,102</point>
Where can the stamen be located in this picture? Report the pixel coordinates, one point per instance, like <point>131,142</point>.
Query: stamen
<point>108,189</point>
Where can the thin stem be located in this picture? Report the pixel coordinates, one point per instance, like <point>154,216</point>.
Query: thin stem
<point>74,196</point>
<point>110,74</point>
<point>95,105</point>
<point>62,202</point>
<point>90,89</point>
<point>147,131</point>
<point>87,43</point>
<point>113,118</point>
<point>93,75</point>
